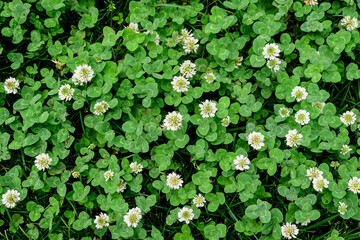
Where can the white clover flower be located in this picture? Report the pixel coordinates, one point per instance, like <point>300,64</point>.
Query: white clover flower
<point>313,173</point>
<point>11,85</point>
<point>271,51</point>
<point>210,77</point>
<point>66,92</point>
<point>208,109</point>
<point>108,174</point>
<point>345,149</point>
<point>354,185</point>
<point>284,112</point>
<point>134,27</point>
<point>302,117</point>
<point>133,217</point>
<point>320,183</point>
<point>10,198</point>
<point>75,174</point>
<point>101,107</point>
<point>241,163</point>
<point>304,223</point>
<point>293,138</point>
<point>173,121</point>
<point>186,34</point>
<point>342,209</point>
<point>191,45</point>
<point>348,118</point>
<point>102,220</point>
<point>174,180</point>
<point>289,231</point>
<point>334,164</point>
<point>349,23</point>
<point>157,38</point>
<point>185,215</point>
<point>188,69</point>
<point>273,64</point>
<point>299,93</point>
<point>91,146</point>
<point>121,187</point>
<point>319,105</point>
<point>180,84</point>
<point>82,74</point>
<point>136,167</point>
<point>311,2</point>
<point>256,140</point>
<point>199,200</point>
<point>42,161</point>
<point>238,62</point>
<point>226,121</point>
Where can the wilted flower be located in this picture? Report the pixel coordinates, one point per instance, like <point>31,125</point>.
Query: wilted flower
<point>238,61</point>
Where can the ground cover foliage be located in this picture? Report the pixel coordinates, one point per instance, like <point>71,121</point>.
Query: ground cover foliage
<point>200,119</point>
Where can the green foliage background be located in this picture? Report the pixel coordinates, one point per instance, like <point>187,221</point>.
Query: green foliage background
<point>134,75</point>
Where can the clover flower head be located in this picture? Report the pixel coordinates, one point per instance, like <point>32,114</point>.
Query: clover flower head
<point>66,92</point>
<point>101,107</point>
<point>348,118</point>
<point>136,167</point>
<point>75,174</point>
<point>199,200</point>
<point>349,23</point>
<point>284,112</point>
<point>320,183</point>
<point>354,185</point>
<point>311,2</point>
<point>289,231</point>
<point>82,74</point>
<point>133,217</point>
<point>342,209</point>
<point>173,121</point>
<point>319,105</point>
<point>121,187</point>
<point>174,180</point>
<point>241,163</point>
<point>207,109</point>
<point>238,61</point>
<point>191,45</point>
<point>293,138</point>
<point>273,64</point>
<point>271,51</point>
<point>188,69</point>
<point>210,77</point>
<point>256,140</point>
<point>108,174</point>
<point>313,173</point>
<point>134,27</point>
<point>180,84</point>
<point>302,117</point>
<point>102,220</point>
<point>42,161</point>
<point>334,164</point>
<point>185,215</point>
<point>299,93</point>
<point>10,198</point>
<point>225,122</point>
<point>11,85</point>
<point>345,149</point>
